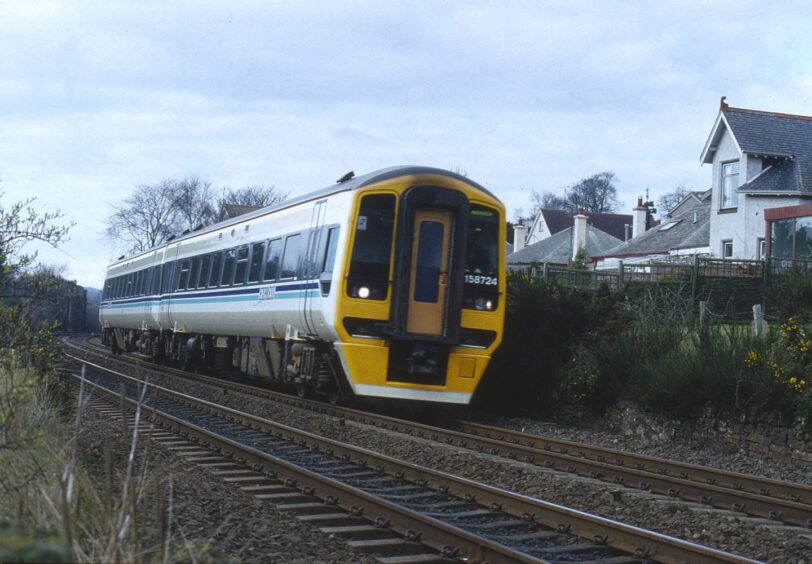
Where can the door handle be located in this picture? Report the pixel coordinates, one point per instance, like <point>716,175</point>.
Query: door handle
<point>442,279</point>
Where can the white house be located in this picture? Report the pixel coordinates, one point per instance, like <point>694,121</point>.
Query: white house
<point>760,160</point>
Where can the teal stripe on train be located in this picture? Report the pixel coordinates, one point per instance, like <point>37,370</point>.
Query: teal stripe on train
<point>225,299</point>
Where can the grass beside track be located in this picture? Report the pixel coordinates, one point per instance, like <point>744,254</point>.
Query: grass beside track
<point>52,506</point>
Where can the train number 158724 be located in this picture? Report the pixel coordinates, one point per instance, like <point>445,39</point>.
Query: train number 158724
<point>481,280</point>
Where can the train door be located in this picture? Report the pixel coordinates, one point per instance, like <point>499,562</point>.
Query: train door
<point>310,300</point>
<point>428,276</point>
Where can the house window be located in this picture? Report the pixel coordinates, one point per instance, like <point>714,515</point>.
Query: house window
<point>762,247</point>
<point>730,181</point>
<point>727,249</point>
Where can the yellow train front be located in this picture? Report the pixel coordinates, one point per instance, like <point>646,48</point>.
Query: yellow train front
<point>421,302</point>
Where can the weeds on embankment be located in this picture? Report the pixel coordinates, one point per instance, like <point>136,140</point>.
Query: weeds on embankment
<point>50,508</point>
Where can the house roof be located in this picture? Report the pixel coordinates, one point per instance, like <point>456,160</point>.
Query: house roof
<point>786,138</point>
<point>689,202</point>
<point>558,247</point>
<point>611,223</point>
<point>679,232</point>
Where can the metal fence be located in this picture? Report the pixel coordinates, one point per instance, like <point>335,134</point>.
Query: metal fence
<point>731,286</point>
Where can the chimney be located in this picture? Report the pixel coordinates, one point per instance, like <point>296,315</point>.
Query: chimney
<point>578,232</point>
<point>640,213</point>
<point>519,236</point>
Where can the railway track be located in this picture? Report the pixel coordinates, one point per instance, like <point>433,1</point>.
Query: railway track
<point>760,497</point>
<point>411,513</point>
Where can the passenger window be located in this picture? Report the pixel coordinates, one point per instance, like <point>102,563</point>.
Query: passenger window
<point>228,267</point>
<point>194,273</point>
<point>330,251</point>
<point>242,266</point>
<point>184,275</point>
<point>272,262</point>
<point>290,260</point>
<point>204,271</point>
<point>129,291</point>
<point>257,254</point>
<point>216,265</point>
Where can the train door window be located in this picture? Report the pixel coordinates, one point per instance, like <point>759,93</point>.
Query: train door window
<point>159,279</point>
<point>216,267</point>
<point>166,277</point>
<point>228,267</point>
<point>481,283</point>
<point>242,266</point>
<point>290,258</point>
<point>183,280</point>
<point>372,251</point>
<point>257,254</point>
<point>272,262</point>
<point>194,274</point>
<point>205,265</point>
<point>330,250</point>
<point>175,275</point>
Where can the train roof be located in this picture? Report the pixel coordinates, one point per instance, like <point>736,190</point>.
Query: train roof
<point>355,183</point>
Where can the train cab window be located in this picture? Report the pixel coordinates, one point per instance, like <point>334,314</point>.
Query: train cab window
<point>183,280</point>
<point>194,273</point>
<point>228,267</point>
<point>372,251</point>
<point>481,288</point>
<point>205,265</point>
<point>290,259</point>
<point>242,266</point>
<point>216,267</point>
<point>257,254</point>
<point>272,262</point>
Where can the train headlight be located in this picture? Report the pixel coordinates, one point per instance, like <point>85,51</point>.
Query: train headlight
<point>363,292</point>
<point>483,305</point>
<point>488,305</point>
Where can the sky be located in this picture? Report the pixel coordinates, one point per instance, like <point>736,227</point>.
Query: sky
<point>98,97</point>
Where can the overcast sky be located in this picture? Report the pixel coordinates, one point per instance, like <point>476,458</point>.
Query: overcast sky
<point>98,97</point>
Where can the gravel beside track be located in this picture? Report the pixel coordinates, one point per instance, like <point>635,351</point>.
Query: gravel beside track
<point>711,451</point>
<point>234,523</point>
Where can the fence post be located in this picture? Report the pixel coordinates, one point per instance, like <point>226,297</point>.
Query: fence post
<point>620,277</point>
<point>694,279</point>
<point>758,320</point>
<point>703,316</point>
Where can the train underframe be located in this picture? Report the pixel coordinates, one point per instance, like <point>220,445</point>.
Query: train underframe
<point>311,368</point>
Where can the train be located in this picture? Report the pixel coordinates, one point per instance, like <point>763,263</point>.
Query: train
<point>385,285</point>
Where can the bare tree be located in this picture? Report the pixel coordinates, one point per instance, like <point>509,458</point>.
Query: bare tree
<point>146,218</point>
<point>667,201</point>
<point>21,224</point>
<point>548,200</point>
<point>596,193</point>
<point>258,196</point>
<point>194,200</point>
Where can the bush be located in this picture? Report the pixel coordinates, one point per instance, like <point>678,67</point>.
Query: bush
<point>542,323</point>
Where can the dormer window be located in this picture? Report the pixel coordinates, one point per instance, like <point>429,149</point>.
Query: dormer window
<point>730,181</point>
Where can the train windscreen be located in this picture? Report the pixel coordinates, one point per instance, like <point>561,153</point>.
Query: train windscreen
<point>372,252</point>
<point>481,290</point>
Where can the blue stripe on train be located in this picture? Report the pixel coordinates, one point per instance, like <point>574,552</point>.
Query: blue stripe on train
<point>290,291</point>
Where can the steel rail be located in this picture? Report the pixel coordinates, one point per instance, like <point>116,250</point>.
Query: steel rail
<point>632,540</point>
<point>799,493</point>
<point>752,495</point>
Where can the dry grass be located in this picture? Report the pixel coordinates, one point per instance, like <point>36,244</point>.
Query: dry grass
<point>51,509</point>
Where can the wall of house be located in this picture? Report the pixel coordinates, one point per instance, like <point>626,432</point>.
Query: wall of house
<point>725,225</point>
<point>539,231</point>
<point>752,215</point>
